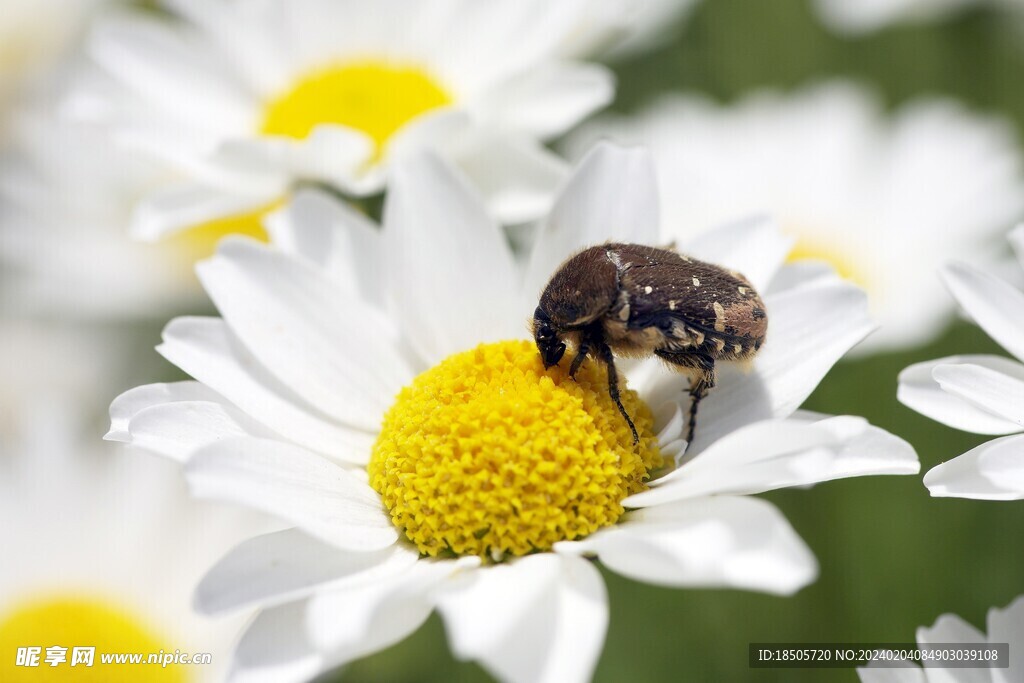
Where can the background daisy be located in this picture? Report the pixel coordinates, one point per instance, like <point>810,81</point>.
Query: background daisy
<point>1004,625</point>
<point>245,100</point>
<point>884,201</point>
<point>101,548</point>
<point>978,393</point>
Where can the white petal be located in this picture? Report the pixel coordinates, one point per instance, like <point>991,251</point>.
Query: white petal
<point>295,485</point>
<point>719,541</point>
<point>249,44</point>
<point>809,329</point>
<point>672,422</point>
<point>285,565</point>
<point>991,471</point>
<point>612,195</point>
<point>801,274</point>
<point>1016,238</point>
<point>276,649</point>
<point>452,277</point>
<point>996,392</point>
<point>950,628</point>
<point>995,305</point>
<point>549,99</point>
<point>174,208</point>
<point>353,622</point>
<point>1007,626</point>
<point>780,453</point>
<point>919,390</point>
<point>179,429</point>
<point>330,348</point>
<point>173,70</point>
<point>540,618</point>
<point>334,236</point>
<point>754,247</point>
<point>516,176</point>
<point>206,349</point>
<point>330,153</point>
<point>128,404</point>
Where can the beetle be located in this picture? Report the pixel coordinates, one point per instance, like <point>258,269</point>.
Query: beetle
<point>633,301</point>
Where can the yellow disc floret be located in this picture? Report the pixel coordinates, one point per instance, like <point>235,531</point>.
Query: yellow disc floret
<point>374,97</point>
<point>490,454</point>
<point>50,638</point>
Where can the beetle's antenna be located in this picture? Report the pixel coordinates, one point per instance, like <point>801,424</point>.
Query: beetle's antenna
<point>613,386</point>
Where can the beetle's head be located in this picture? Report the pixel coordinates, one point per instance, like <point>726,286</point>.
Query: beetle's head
<point>549,342</point>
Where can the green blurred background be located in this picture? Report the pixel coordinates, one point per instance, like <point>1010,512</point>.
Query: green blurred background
<point>892,558</point>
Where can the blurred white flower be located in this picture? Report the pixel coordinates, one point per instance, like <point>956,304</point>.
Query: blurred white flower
<point>616,29</point>
<point>33,33</point>
<point>864,16</point>
<point>66,198</point>
<point>983,394</point>
<point>1004,626</point>
<point>476,491</point>
<point>244,100</point>
<point>101,548</point>
<point>886,201</point>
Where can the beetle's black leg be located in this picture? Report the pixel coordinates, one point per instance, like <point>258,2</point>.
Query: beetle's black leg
<point>605,353</point>
<point>581,355</point>
<point>704,368</point>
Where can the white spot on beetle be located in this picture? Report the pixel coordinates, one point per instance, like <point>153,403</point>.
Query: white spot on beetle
<point>648,289</point>
<point>719,317</point>
<point>696,282</point>
<point>672,305</point>
<point>742,290</point>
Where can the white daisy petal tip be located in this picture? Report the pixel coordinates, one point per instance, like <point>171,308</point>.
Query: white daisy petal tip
<point>991,471</point>
<point>920,390</point>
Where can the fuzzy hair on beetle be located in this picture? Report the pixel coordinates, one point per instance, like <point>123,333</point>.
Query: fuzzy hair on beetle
<point>636,301</point>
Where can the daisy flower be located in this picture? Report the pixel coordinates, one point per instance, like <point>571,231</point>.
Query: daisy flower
<point>1004,626</point>
<point>245,100</point>
<point>857,190</point>
<point>66,198</point>
<point>378,390</point>
<point>983,394</point>
<point>102,549</point>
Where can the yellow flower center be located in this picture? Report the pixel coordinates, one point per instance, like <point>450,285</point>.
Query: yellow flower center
<point>374,97</point>
<point>200,242</point>
<point>80,622</point>
<point>490,454</point>
<point>844,263</point>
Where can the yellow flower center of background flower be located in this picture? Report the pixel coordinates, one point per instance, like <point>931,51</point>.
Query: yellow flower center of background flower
<point>490,454</point>
<point>72,621</point>
<point>845,264</point>
<point>200,242</point>
<point>376,98</point>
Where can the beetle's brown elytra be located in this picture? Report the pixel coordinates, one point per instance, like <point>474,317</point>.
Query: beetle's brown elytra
<point>632,300</point>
